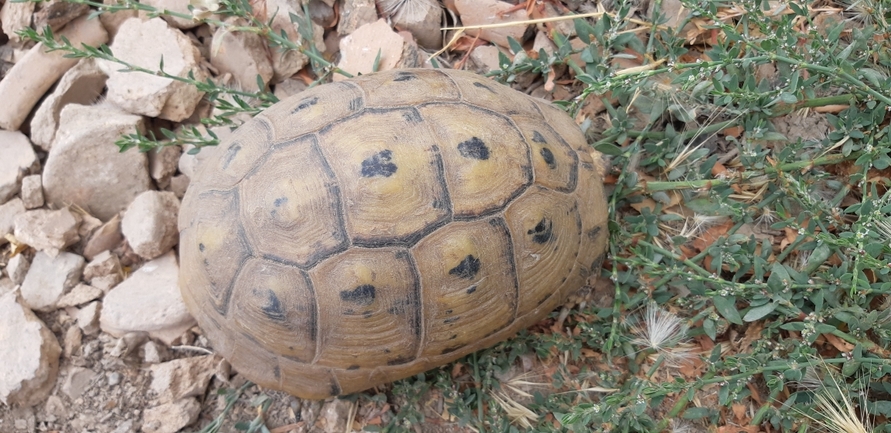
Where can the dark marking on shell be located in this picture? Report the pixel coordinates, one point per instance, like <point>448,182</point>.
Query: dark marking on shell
<point>279,201</point>
<point>273,308</point>
<point>538,138</point>
<point>451,320</point>
<point>367,314</point>
<point>398,360</point>
<point>412,116</point>
<point>468,268</point>
<point>450,349</point>
<point>356,104</point>
<point>277,372</point>
<point>379,164</point>
<point>548,157</point>
<point>306,103</point>
<point>474,148</point>
<point>592,234</point>
<point>362,295</point>
<point>353,367</point>
<point>542,232</point>
<point>482,86</point>
<point>231,153</point>
<point>335,388</point>
<point>405,76</point>
<point>201,248</point>
<point>472,289</point>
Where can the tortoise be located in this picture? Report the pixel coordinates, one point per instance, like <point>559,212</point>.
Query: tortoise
<point>367,230</point>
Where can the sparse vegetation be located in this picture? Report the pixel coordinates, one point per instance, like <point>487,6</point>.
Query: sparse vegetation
<point>751,162</point>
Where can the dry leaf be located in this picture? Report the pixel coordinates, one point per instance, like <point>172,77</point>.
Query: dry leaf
<point>710,235</point>
<point>838,343</point>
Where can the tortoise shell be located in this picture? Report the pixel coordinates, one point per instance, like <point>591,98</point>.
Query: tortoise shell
<point>367,230</point>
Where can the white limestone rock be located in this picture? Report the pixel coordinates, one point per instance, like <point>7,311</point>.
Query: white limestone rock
<point>171,417</point>
<point>359,50</point>
<point>82,84</point>
<point>47,230</point>
<point>85,167</point>
<point>32,191</point>
<point>145,44</point>
<point>149,225</point>
<point>30,354</point>
<point>102,264</point>
<point>49,278</point>
<point>481,12</point>
<point>17,268</point>
<point>38,70</point>
<point>242,54</point>
<point>8,212</point>
<point>106,237</point>
<point>17,161</point>
<point>149,300</point>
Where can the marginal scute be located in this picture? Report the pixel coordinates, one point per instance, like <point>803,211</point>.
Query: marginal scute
<point>275,303</point>
<point>310,110</point>
<point>213,247</point>
<point>234,159</point>
<point>546,229</point>
<point>408,88</point>
<point>554,162</point>
<point>292,205</point>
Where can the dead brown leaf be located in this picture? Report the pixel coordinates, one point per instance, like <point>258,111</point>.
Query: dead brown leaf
<point>838,343</point>
<point>710,235</point>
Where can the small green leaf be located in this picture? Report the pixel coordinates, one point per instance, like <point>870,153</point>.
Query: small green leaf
<point>726,306</point>
<point>758,312</point>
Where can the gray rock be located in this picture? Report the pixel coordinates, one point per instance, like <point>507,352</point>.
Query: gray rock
<point>17,268</point>
<point>18,160</point>
<point>72,341</point>
<point>171,417</point>
<point>148,300</point>
<point>107,237</point>
<point>77,382</point>
<point>162,164</point>
<point>481,12</point>
<point>48,230</point>
<point>88,318</point>
<point>30,354</point>
<point>104,263</point>
<point>185,377</point>
<point>145,43</point>
<point>79,295</point>
<point>8,212</point>
<point>241,54</point>
<point>149,225</point>
<point>355,14</point>
<point>421,18</point>
<point>49,278</point>
<point>32,191</point>
<point>85,167</point>
<point>335,414</point>
<point>82,84</point>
